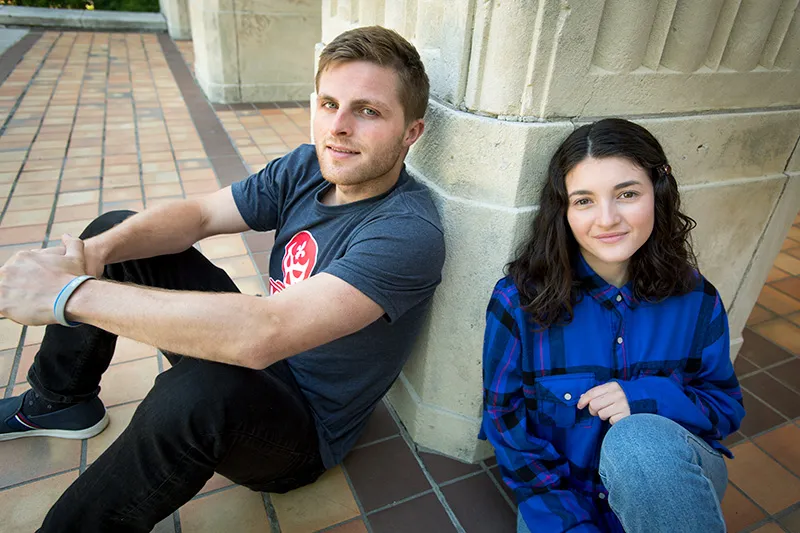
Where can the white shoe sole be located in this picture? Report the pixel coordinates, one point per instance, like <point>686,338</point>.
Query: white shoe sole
<point>60,433</point>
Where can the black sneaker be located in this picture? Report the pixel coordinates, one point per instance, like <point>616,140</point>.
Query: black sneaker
<point>78,421</point>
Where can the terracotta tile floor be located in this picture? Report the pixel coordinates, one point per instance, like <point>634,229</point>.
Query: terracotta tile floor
<point>96,121</point>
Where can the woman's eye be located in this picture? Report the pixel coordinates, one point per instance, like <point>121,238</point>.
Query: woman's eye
<point>582,201</point>
<point>627,195</point>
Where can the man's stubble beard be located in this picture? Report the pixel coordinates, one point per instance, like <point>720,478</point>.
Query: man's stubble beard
<point>364,172</point>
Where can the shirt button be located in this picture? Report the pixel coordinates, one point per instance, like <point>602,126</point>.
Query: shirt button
<point>568,396</point>
<point>601,496</point>
<point>619,340</point>
<point>619,297</point>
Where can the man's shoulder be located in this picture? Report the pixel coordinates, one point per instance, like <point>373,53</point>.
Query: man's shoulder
<point>302,161</point>
<point>412,203</point>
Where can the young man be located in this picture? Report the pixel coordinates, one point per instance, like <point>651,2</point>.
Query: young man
<point>268,392</point>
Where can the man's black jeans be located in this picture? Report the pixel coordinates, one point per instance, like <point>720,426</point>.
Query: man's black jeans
<point>252,426</point>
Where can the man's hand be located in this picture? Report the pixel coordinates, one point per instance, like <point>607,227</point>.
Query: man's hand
<point>31,280</point>
<point>608,401</point>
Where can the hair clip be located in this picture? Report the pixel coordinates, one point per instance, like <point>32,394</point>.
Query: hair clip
<point>665,169</point>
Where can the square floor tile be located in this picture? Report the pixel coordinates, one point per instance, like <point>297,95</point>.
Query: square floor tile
<point>379,426</point>
<point>733,439</point>
<point>34,457</point>
<point>769,528</point>
<point>217,481</point>
<point>787,263</point>
<point>370,467</point>
<point>420,514</point>
<point>774,393</point>
<point>6,363</point>
<point>120,418</point>
<point>739,512</point>
<point>10,333</point>
<point>129,350</point>
<point>443,469</point>
<point>479,506</point>
<point>782,332</point>
<point>784,445</point>
<point>25,361</point>
<point>758,315</point>
<point>790,286</point>
<point>777,302</point>
<point>22,234</point>
<point>223,246</point>
<point>760,351</point>
<point>758,417</point>
<point>34,335</point>
<point>78,198</point>
<point>498,476</point>
<point>791,521</point>
<point>237,267</point>
<point>356,526</point>
<point>23,508</point>
<point>26,218</point>
<point>260,241</point>
<point>128,381</point>
<point>236,509</point>
<point>76,212</point>
<point>788,373</point>
<point>324,503</point>
<point>742,366</point>
<point>764,480</point>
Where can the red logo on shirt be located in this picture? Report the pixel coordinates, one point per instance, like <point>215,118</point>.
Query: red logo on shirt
<point>299,258</point>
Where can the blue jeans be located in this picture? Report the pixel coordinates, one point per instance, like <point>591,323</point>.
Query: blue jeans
<point>660,477</point>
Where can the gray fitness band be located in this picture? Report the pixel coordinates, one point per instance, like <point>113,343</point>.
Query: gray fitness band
<point>61,300</point>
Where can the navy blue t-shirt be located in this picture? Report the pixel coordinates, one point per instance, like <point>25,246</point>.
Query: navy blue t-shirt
<point>390,247</point>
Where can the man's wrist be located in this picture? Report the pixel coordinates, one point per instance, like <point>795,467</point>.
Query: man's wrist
<point>76,308</point>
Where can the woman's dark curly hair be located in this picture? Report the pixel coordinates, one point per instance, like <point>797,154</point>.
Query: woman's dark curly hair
<point>544,270</point>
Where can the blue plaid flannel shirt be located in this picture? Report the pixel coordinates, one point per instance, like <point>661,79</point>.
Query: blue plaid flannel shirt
<point>671,358</point>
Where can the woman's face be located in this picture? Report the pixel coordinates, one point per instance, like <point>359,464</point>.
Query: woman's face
<point>610,213</point>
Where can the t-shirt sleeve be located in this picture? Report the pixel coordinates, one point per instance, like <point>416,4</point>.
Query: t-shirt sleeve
<point>257,197</point>
<point>396,261</point>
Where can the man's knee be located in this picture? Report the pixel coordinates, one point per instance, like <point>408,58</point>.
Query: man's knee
<point>105,222</point>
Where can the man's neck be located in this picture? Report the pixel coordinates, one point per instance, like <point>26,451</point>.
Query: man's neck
<point>347,194</point>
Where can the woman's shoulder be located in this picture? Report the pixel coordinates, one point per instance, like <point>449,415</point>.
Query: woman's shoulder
<point>506,289</point>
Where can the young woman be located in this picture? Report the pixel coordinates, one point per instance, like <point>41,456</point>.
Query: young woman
<point>608,383</point>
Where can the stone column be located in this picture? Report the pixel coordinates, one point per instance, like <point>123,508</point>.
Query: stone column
<point>178,21</point>
<point>715,80</point>
<point>255,50</point>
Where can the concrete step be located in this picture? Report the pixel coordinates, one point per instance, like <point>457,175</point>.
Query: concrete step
<point>82,19</point>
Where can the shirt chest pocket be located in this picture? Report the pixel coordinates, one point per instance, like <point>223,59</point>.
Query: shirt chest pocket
<point>557,398</point>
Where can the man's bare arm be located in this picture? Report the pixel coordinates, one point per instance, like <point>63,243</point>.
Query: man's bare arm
<point>228,328</point>
<point>166,229</point>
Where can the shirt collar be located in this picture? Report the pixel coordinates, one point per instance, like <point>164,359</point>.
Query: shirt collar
<point>599,289</point>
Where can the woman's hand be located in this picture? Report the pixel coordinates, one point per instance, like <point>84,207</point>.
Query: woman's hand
<point>608,401</point>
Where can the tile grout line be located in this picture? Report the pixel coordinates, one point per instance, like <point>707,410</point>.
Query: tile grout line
<point>41,478</point>
<point>400,502</point>
<point>272,515</point>
<point>138,142</point>
<point>438,491</point>
<point>12,376</point>
<point>357,498</point>
<point>498,486</point>
<point>164,118</point>
<point>13,112</point>
<point>57,194</point>
<point>107,74</point>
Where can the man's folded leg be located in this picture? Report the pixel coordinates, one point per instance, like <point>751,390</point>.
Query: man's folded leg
<point>252,426</point>
<point>66,372</point>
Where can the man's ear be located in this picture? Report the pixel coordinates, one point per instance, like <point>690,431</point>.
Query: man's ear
<point>414,132</point>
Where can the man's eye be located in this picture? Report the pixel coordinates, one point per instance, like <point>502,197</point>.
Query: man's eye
<point>369,112</point>
<point>328,105</point>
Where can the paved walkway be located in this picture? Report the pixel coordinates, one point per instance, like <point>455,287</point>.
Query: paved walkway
<point>93,122</point>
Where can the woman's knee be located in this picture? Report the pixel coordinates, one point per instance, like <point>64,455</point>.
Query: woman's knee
<point>641,447</point>
<point>105,222</point>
